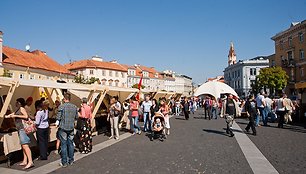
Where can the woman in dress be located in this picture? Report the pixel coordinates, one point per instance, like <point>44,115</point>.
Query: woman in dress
<point>21,115</point>
<point>85,116</point>
<point>164,109</point>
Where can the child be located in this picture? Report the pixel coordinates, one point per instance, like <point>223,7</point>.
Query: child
<point>158,125</point>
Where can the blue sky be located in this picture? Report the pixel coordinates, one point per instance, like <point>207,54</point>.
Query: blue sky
<point>191,37</point>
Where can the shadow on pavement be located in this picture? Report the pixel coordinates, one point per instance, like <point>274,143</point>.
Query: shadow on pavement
<point>215,132</point>
<point>180,118</point>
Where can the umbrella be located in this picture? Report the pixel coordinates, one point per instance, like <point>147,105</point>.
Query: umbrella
<point>215,89</point>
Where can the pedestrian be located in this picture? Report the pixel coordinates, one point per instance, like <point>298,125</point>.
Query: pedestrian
<point>268,108</point>
<point>67,115</point>
<point>185,106</point>
<point>229,111</point>
<point>289,109</point>
<point>164,109</point>
<point>114,113</point>
<point>251,110</point>
<point>191,105</point>
<point>281,111</point>
<point>146,110</point>
<point>85,135</point>
<point>42,123</point>
<point>126,114</point>
<point>154,109</point>
<point>177,107</point>
<point>214,108</point>
<point>261,104</point>
<point>134,107</point>
<point>207,107</point>
<point>20,116</point>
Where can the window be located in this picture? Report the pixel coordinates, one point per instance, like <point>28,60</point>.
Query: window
<point>117,83</point>
<point>290,41</point>
<point>281,43</point>
<point>110,73</point>
<point>301,54</point>
<point>103,73</point>
<point>282,57</point>
<point>273,63</point>
<point>301,37</point>
<point>91,72</point>
<point>21,76</point>
<point>32,76</point>
<point>253,71</point>
<point>122,74</point>
<point>290,55</point>
<point>117,74</point>
<point>302,72</point>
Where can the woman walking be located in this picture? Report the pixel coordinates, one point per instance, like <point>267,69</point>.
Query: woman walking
<point>41,120</point>
<point>85,117</point>
<point>20,116</point>
<point>281,111</point>
<point>164,109</point>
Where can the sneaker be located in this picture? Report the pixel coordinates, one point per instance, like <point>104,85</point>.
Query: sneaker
<point>63,165</point>
<point>247,130</point>
<point>111,137</point>
<point>232,135</point>
<point>71,163</point>
<point>116,138</point>
<point>133,133</point>
<point>139,132</point>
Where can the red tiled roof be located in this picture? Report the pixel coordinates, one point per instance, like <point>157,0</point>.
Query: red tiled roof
<point>35,59</point>
<point>95,64</point>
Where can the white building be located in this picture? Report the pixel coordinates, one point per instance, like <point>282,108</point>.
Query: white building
<point>242,75</point>
<point>109,73</point>
<point>183,84</point>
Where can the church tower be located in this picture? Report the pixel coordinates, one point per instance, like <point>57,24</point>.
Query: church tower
<point>231,55</point>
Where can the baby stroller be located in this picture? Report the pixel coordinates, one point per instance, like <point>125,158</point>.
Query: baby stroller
<point>158,127</point>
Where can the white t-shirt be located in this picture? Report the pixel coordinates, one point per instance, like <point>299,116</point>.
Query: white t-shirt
<point>259,101</point>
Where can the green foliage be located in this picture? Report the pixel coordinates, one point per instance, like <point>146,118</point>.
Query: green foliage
<point>82,80</point>
<point>136,86</point>
<point>274,78</point>
<point>6,73</point>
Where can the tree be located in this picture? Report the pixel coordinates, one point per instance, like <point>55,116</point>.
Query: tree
<point>273,78</point>
<point>136,86</point>
<point>92,80</point>
<point>82,80</point>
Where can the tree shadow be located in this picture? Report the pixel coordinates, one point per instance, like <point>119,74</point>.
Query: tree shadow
<point>180,118</point>
<point>199,118</point>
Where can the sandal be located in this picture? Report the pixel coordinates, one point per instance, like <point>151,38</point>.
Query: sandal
<point>22,164</point>
<point>28,167</point>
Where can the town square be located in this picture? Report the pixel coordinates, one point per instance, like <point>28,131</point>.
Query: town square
<point>155,87</point>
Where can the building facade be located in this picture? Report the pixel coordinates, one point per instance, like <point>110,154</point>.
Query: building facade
<point>290,46</point>
<point>109,73</point>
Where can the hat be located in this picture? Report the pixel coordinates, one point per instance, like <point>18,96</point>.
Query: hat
<point>46,102</point>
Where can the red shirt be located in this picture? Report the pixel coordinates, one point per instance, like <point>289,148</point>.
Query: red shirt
<point>134,108</point>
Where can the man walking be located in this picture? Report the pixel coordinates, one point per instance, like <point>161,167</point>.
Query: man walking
<point>146,109</point>
<point>67,114</point>
<point>229,110</point>
<point>261,104</point>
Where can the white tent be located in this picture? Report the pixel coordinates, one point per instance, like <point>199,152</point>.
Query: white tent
<point>215,89</point>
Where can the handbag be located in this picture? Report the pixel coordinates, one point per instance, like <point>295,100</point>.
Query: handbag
<point>29,126</point>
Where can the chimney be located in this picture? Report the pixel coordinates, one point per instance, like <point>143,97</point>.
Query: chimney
<point>1,47</point>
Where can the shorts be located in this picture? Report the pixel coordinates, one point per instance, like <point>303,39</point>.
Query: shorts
<point>23,137</point>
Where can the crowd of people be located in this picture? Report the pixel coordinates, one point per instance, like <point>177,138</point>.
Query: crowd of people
<point>154,113</point>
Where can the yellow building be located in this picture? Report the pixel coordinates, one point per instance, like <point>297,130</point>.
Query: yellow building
<point>28,64</point>
<point>290,46</point>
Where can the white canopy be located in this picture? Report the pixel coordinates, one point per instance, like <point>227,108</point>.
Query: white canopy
<point>215,89</point>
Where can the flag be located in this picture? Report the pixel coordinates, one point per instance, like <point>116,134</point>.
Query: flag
<point>139,87</point>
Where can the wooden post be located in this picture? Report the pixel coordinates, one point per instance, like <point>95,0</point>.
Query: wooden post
<point>102,95</point>
<point>7,101</point>
<point>49,97</point>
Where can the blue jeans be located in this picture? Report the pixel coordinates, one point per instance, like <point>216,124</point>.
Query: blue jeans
<point>67,147</point>
<point>147,121</point>
<point>214,112</point>
<point>263,114</point>
<point>256,120</point>
<point>134,124</point>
